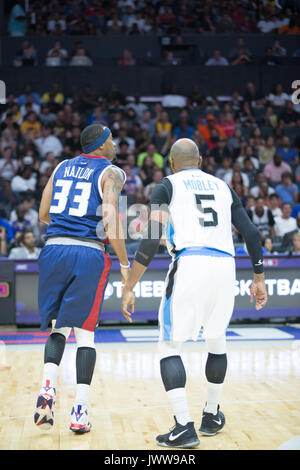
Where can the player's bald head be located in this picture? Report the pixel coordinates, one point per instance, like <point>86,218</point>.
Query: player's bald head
<point>185,154</point>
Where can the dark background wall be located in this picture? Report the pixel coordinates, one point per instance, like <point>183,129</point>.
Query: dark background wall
<point>150,76</point>
<point>109,48</point>
<point>151,80</point>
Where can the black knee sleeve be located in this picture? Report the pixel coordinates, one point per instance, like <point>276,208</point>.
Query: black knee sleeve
<point>85,364</point>
<point>215,369</point>
<point>172,372</point>
<point>54,348</point>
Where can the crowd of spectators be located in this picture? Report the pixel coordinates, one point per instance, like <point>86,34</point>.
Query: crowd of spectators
<point>252,142</point>
<point>98,17</point>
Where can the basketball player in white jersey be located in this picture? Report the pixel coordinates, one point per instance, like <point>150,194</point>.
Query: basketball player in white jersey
<point>197,210</point>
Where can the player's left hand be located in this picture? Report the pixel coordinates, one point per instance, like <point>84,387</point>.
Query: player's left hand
<point>127,299</point>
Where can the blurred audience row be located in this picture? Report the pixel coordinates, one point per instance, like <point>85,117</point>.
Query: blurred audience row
<point>98,17</point>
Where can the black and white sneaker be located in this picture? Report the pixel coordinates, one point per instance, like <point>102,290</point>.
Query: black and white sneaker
<point>179,436</point>
<point>211,424</point>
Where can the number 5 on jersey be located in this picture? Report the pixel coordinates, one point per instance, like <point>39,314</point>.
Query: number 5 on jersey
<point>206,210</point>
<point>81,199</point>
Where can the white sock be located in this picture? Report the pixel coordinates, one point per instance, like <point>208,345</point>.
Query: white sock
<point>82,394</point>
<point>50,374</point>
<point>213,397</point>
<point>177,398</point>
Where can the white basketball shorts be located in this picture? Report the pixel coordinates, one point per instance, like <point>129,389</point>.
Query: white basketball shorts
<point>199,292</point>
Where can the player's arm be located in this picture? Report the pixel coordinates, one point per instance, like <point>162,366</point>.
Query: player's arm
<point>148,247</point>
<point>111,186</point>
<point>250,234</point>
<point>46,202</point>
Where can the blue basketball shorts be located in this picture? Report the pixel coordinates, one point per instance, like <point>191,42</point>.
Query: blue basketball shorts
<point>72,281</point>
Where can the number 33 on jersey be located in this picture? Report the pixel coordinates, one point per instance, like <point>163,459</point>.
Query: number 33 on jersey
<point>77,198</point>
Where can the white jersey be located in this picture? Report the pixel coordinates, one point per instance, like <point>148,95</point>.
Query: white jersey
<point>199,213</point>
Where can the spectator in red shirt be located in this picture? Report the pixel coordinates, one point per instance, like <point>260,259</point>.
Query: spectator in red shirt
<point>228,125</point>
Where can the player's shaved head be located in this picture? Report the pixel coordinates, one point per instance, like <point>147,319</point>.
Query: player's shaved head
<point>185,154</point>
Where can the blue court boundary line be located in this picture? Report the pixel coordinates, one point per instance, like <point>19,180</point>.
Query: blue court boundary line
<point>119,336</point>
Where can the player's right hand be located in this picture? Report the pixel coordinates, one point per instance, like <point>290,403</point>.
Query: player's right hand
<point>259,291</point>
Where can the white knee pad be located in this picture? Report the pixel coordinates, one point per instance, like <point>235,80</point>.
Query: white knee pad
<point>169,348</point>
<point>216,345</point>
<point>63,331</point>
<point>84,338</point>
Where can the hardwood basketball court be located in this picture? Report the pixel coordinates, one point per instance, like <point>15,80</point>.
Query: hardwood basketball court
<point>128,406</point>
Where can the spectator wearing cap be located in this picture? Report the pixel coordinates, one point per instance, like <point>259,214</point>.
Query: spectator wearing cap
<point>285,223</point>
<point>287,190</point>
<point>48,142</point>
<point>274,170</point>
<point>206,129</point>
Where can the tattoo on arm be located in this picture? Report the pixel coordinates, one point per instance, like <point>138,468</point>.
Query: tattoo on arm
<point>113,183</point>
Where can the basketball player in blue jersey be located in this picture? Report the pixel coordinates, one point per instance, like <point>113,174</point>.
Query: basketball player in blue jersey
<point>80,206</point>
<point>198,211</point>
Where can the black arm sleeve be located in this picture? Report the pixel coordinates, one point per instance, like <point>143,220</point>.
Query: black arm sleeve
<point>160,199</point>
<point>249,232</point>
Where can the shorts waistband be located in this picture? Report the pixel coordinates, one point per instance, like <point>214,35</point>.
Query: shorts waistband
<point>76,242</point>
<point>204,251</point>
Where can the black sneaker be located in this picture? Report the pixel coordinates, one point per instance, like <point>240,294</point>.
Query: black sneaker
<point>211,424</point>
<point>180,436</point>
